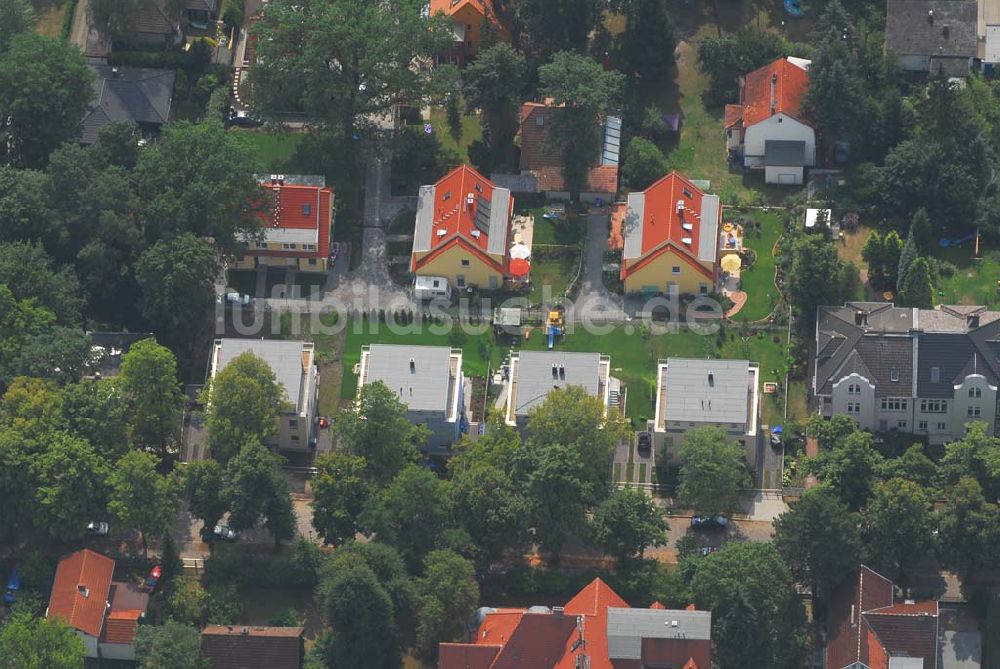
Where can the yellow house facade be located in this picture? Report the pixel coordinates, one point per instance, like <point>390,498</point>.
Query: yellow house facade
<point>671,233</point>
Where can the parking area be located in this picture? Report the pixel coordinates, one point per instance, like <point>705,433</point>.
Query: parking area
<point>632,466</point>
<point>960,642</point>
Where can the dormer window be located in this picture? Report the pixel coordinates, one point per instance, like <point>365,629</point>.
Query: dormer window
<point>935,374</point>
<point>975,393</point>
<point>446,196</point>
<point>894,374</point>
<point>306,208</point>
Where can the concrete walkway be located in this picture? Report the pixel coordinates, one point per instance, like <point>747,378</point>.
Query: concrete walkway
<point>594,301</point>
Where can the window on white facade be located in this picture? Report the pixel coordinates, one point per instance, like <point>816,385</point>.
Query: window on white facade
<point>288,247</point>
<point>975,392</point>
<point>934,406</point>
<point>262,245</point>
<point>974,412</point>
<point>922,425</point>
<point>901,424</point>
<point>853,407</point>
<point>854,389</point>
<point>941,426</point>
<point>894,404</point>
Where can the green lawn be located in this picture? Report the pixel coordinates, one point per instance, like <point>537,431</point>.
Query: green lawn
<point>361,333</point>
<point>471,131</point>
<point>273,150</point>
<point>974,281</point>
<point>758,281</point>
<point>562,232</point>
<point>553,272</point>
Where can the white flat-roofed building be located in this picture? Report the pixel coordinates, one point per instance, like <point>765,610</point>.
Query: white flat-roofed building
<point>427,379</point>
<point>294,367</point>
<point>694,393</point>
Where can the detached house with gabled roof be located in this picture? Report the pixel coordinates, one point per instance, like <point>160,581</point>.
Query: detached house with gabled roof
<point>137,94</point>
<point>767,130</point>
<point>105,613</point>
<point>671,232</point>
<point>296,215</point>
<point>925,371</point>
<point>463,231</point>
<point>469,19</point>
<point>867,628</point>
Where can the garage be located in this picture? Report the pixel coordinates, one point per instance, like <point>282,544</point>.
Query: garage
<point>784,162</point>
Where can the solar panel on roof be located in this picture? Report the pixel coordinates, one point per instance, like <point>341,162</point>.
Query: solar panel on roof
<point>483,214</point>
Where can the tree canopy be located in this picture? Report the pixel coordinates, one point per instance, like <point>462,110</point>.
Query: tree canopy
<point>380,432</point>
<point>627,522</point>
<point>713,470</point>
<point>244,400</point>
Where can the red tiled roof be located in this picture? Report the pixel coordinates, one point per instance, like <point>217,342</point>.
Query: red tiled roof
<point>80,591</point>
<point>451,7</point>
<point>121,627</point>
<point>517,639</point>
<point>734,114</point>
<point>457,218</point>
<point>546,164</point>
<point>240,647</point>
<point>657,605</point>
<point>662,223</point>
<point>285,207</point>
<point>789,86</point>
<point>865,625</point>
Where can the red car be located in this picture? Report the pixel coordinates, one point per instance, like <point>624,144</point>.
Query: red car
<point>153,579</point>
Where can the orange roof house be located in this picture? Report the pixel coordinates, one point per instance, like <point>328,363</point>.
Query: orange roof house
<point>545,164</point>
<point>596,628</point>
<point>867,625</point>
<point>671,232</point>
<point>463,230</point>
<point>105,613</point>
<point>296,215</point>
<point>770,111</point>
<point>468,19</point>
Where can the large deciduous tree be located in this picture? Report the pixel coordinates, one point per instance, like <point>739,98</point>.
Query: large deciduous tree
<point>492,83</point>
<point>554,25</point>
<point>644,163</point>
<point>141,498</point>
<point>977,454</point>
<point>176,277</point>
<point>45,88</point>
<point>345,62</point>
<point>648,42</point>
<point>627,522</point>
<point>897,525</point>
<point>94,409</point>
<point>218,196</point>
<point>757,617</point>
<point>172,645</point>
<point>244,400</point>
<point>16,16</point>
<point>585,91</point>
<point>339,495</point>
<point>27,642</point>
<point>725,58</point>
<point>813,256</point>
<point>818,539</point>
<point>360,614</point>
<point>256,489</point>
<point>712,472</point>
<point>380,433</point>
<point>152,393</point>
<point>203,483</point>
<point>446,597</point>
<point>70,485</point>
<point>969,527</point>
<point>30,274</point>
<point>851,467</point>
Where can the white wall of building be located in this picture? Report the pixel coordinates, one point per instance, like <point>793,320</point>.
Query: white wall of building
<point>860,403</point>
<point>777,127</point>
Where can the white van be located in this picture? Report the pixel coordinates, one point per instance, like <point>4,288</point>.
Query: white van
<point>429,287</point>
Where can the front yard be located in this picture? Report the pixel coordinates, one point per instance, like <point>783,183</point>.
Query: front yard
<point>758,281</point>
<point>974,280</point>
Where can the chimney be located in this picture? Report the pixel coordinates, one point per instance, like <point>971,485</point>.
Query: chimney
<point>558,611</point>
<point>246,631</point>
<point>930,16</point>
<point>972,321</point>
<point>861,318</point>
<point>114,72</point>
<point>413,366</point>
<point>774,91</point>
<point>711,378</point>
<point>555,371</point>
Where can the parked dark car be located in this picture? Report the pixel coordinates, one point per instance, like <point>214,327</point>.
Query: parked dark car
<point>225,533</point>
<point>98,528</point>
<point>13,585</point>
<point>644,442</point>
<point>709,522</point>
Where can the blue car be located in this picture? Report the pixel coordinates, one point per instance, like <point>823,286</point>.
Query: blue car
<point>13,585</point>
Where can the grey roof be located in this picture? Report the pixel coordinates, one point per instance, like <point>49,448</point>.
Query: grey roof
<point>205,5</point>
<point>534,376</point>
<point>499,220</point>
<point>708,241</point>
<point>910,30</point>
<point>632,225</point>
<point>784,153</point>
<point>957,340</point>
<point>424,387</point>
<point>516,183</point>
<point>692,396</point>
<point>283,357</point>
<point>949,66</point>
<point>628,627</point>
<point>424,228</point>
<point>133,94</point>
<point>317,180</point>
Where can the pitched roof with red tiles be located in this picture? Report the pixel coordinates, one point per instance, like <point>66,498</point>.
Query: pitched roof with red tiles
<point>537,157</point>
<point>121,626</point>
<point>776,88</point>
<point>447,215</point>
<point>451,7</point>
<point>518,639</point>
<point>80,591</point>
<point>865,625</point>
<point>240,647</point>
<point>291,205</point>
<point>671,216</point>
